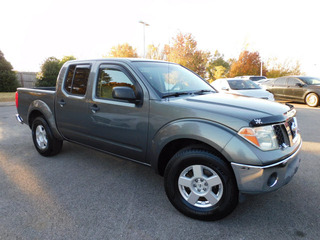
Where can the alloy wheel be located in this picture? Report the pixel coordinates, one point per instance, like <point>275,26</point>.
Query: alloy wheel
<point>200,186</point>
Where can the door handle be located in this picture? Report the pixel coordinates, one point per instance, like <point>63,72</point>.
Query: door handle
<point>62,103</point>
<point>94,108</point>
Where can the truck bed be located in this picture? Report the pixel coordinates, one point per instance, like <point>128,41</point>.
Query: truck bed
<point>29,96</point>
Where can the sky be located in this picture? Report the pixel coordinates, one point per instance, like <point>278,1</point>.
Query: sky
<point>33,30</point>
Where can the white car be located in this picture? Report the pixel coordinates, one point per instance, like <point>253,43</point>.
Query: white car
<point>252,78</point>
<point>241,87</point>
<point>257,79</point>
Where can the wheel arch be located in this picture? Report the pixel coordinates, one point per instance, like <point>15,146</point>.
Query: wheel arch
<point>174,146</point>
<point>39,108</point>
<point>181,134</point>
<point>33,115</point>
<point>305,95</point>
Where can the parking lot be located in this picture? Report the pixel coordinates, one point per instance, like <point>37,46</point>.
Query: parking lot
<point>85,194</point>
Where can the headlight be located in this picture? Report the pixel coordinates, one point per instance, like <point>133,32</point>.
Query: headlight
<point>262,137</point>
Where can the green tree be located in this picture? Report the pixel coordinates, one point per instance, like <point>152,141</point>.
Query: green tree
<point>218,60</point>
<point>50,68</point>
<point>280,69</point>
<point>8,78</point>
<point>249,63</point>
<point>123,51</point>
<point>217,67</point>
<point>66,59</point>
<point>184,51</point>
<point>47,77</point>
<point>219,72</point>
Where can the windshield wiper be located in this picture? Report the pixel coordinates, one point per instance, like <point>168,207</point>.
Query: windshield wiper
<point>203,91</point>
<point>175,94</point>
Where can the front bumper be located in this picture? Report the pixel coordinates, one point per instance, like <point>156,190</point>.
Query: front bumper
<point>260,179</point>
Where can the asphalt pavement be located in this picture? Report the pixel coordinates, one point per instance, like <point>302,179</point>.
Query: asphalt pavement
<point>85,194</point>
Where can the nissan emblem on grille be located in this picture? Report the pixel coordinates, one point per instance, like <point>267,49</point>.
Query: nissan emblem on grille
<point>258,121</point>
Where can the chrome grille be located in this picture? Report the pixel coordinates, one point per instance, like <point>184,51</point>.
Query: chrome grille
<point>286,132</point>
<point>292,126</point>
<point>279,134</point>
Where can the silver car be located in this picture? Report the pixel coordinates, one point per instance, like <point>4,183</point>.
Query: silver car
<point>241,87</point>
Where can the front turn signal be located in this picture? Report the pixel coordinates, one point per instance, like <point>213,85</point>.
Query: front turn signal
<point>249,134</point>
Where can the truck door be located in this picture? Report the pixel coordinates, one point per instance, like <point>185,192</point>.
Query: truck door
<point>118,126</point>
<point>71,105</point>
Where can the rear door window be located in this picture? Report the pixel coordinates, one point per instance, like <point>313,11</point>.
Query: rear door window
<point>280,82</point>
<point>77,79</point>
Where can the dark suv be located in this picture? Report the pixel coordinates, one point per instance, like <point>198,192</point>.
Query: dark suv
<point>295,88</point>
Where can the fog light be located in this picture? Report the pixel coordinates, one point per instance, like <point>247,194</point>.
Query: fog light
<point>273,179</point>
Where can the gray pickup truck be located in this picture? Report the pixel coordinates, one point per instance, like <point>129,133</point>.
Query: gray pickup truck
<point>210,147</point>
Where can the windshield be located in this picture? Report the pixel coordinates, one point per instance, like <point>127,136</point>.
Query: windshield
<point>311,80</point>
<point>257,78</point>
<point>171,79</point>
<point>242,85</point>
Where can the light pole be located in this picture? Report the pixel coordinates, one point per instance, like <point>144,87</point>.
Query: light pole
<point>144,37</point>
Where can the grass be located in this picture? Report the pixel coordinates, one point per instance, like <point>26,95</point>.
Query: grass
<point>7,96</point>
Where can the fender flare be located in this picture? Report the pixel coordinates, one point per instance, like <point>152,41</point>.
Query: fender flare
<point>211,133</point>
<point>41,106</point>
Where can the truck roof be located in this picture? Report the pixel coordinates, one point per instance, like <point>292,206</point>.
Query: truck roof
<point>125,60</point>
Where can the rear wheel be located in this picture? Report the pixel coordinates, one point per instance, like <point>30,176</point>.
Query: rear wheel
<point>201,185</point>
<point>43,139</point>
<point>312,99</point>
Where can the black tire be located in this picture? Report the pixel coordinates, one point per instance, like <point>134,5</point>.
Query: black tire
<point>43,139</point>
<point>193,176</point>
<point>312,100</point>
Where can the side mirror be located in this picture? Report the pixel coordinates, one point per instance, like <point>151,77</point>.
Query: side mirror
<point>124,93</point>
<point>225,89</point>
<point>299,84</point>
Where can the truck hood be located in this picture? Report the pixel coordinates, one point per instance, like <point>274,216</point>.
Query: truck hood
<point>232,110</point>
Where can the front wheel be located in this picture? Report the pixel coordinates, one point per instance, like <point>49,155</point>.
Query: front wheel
<point>43,139</point>
<point>201,185</point>
<point>312,100</point>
